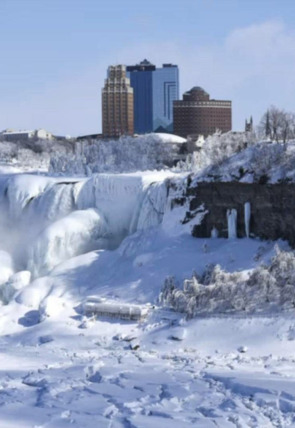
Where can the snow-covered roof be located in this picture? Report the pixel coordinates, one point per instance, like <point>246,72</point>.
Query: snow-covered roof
<point>169,138</point>
<point>12,132</point>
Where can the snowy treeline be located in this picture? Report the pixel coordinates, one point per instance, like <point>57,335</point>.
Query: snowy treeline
<point>239,157</point>
<point>33,154</point>
<point>218,291</point>
<point>128,154</point>
<point>262,162</point>
<point>215,149</point>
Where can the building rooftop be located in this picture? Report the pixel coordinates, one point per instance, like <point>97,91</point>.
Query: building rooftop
<point>145,62</point>
<point>12,131</point>
<point>197,89</point>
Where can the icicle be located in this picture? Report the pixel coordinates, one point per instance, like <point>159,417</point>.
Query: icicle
<point>214,233</point>
<point>232,223</point>
<point>247,215</point>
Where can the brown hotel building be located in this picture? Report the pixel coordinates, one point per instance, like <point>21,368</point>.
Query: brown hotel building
<point>117,103</point>
<point>196,114</point>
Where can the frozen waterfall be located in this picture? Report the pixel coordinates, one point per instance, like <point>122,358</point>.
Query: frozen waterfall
<point>53,219</point>
<point>232,223</point>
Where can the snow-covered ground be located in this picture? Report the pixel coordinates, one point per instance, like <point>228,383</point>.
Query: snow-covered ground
<point>114,239</point>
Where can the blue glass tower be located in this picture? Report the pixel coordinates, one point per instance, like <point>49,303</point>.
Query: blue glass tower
<point>165,91</point>
<point>155,89</point>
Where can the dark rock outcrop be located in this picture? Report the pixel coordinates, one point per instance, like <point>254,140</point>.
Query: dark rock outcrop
<point>272,208</point>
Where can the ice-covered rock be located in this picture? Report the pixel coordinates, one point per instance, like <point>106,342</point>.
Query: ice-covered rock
<point>178,334</point>
<point>15,283</point>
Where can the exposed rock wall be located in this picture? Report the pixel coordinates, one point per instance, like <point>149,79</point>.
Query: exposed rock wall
<point>272,209</point>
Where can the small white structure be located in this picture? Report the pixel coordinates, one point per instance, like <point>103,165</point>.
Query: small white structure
<point>42,134</point>
<point>113,309</point>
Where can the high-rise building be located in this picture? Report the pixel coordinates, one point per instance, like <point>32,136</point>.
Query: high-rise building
<point>117,103</point>
<point>197,114</point>
<point>155,89</point>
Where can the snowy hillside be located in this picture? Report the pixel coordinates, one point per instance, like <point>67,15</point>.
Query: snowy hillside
<point>238,156</point>
<point>88,335</point>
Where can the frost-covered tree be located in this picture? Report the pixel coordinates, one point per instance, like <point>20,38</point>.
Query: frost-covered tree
<point>277,124</point>
<point>217,291</point>
<point>215,149</point>
<point>147,152</point>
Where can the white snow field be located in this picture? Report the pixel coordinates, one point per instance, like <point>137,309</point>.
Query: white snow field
<point>110,241</point>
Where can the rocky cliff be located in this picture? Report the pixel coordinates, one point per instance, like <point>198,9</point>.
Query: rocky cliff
<point>272,209</point>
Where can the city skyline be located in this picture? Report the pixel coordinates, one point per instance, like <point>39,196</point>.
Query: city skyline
<point>54,55</point>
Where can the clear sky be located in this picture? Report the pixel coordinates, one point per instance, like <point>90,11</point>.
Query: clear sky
<point>54,55</point>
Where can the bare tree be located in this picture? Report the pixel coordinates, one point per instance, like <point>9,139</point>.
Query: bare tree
<point>278,125</point>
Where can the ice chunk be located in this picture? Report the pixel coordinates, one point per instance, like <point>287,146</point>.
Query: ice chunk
<point>214,233</point>
<point>15,283</point>
<point>20,279</point>
<point>178,334</point>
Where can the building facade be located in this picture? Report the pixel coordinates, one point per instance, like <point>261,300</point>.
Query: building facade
<point>15,136</point>
<point>155,89</point>
<point>197,114</point>
<point>117,103</point>
<point>141,80</point>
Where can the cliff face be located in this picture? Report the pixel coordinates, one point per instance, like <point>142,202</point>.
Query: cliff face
<point>272,209</point>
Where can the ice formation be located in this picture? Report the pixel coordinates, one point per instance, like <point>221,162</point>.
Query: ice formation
<point>15,283</point>
<point>6,264</point>
<point>247,215</point>
<point>52,219</point>
<point>77,233</point>
<point>232,223</point>
<point>214,233</point>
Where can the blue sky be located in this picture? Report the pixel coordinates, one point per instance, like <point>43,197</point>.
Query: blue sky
<point>54,55</point>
